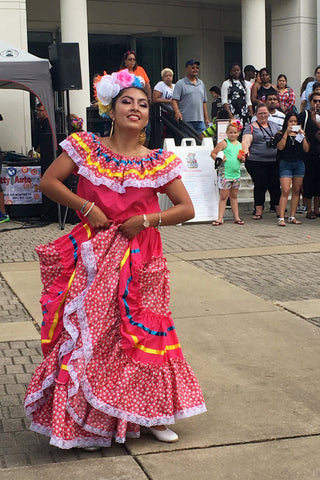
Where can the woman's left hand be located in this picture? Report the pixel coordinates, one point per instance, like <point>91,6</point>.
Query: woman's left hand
<point>132,226</point>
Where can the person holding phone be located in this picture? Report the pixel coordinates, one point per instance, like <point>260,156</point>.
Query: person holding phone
<point>292,146</point>
<point>310,120</point>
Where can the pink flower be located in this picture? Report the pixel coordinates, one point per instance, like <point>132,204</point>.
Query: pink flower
<point>124,78</point>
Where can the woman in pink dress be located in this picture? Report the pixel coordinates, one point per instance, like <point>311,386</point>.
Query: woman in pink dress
<point>112,360</point>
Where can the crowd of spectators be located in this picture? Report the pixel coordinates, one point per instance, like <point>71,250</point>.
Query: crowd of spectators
<point>262,107</point>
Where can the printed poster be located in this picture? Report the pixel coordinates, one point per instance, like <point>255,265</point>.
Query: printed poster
<point>20,185</point>
<point>200,179</point>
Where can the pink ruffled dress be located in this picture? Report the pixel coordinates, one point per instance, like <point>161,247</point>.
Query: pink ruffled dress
<point>112,359</point>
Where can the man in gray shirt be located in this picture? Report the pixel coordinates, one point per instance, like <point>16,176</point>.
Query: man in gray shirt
<point>189,100</point>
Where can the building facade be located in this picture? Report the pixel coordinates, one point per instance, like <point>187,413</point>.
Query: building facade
<point>282,34</point>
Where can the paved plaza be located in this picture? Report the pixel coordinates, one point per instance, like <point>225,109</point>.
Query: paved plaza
<point>245,300</point>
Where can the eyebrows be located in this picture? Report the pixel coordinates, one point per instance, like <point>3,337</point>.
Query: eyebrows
<point>144,99</point>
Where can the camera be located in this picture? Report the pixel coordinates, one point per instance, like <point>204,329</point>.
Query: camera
<point>270,143</point>
<point>295,128</point>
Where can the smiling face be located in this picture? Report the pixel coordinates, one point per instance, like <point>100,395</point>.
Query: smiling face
<point>262,115</point>
<point>131,109</point>
<point>232,133</point>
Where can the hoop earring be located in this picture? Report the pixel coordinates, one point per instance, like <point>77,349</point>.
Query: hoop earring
<point>143,135</point>
<point>112,128</point>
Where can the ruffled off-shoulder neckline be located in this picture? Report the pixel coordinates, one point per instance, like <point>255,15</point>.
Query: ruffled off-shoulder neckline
<point>102,166</point>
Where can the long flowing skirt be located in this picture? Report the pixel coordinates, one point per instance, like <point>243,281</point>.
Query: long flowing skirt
<point>112,359</point>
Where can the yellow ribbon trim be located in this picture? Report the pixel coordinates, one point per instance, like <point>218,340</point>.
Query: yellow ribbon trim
<point>127,172</point>
<point>157,352</point>
<point>64,367</point>
<point>56,315</point>
<point>152,350</point>
<point>125,257</point>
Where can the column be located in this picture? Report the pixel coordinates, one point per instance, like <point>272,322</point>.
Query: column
<point>253,15</point>
<point>294,40</point>
<point>15,129</point>
<point>74,29</point>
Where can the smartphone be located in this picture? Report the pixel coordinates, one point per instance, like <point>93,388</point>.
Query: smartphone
<point>295,128</point>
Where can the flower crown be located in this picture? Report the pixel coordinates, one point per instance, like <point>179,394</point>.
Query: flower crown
<point>109,86</point>
<point>236,123</point>
<point>77,123</point>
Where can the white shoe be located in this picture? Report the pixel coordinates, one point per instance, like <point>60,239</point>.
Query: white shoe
<point>166,435</point>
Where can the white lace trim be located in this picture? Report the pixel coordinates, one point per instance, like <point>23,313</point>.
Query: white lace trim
<point>35,427</point>
<point>38,396</point>
<point>71,151</point>
<point>77,304</point>
<point>80,442</point>
<point>126,182</point>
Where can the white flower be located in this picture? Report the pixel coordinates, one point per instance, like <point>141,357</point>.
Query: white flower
<point>107,89</point>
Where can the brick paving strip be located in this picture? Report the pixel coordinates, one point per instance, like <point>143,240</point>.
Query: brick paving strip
<point>18,445</point>
<point>258,274</point>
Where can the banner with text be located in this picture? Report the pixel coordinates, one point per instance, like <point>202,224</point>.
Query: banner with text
<point>20,185</point>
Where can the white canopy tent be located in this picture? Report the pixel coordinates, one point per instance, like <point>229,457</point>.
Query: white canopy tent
<point>23,71</point>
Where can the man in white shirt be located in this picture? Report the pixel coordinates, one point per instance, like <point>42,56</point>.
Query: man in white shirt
<point>274,114</point>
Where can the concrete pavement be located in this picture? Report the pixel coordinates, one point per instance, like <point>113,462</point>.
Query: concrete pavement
<point>245,300</point>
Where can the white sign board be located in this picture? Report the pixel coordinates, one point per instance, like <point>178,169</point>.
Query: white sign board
<point>20,185</point>
<point>199,177</point>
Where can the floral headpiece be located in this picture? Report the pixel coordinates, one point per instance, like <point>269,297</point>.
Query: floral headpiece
<point>109,86</point>
<point>76,123</point>
<point>237,124</point>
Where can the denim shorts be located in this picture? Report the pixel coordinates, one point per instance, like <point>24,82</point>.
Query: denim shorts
<point>198,126</point>
<point>291,169</point>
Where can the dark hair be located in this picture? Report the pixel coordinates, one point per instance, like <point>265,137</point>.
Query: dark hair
<point>264,69</point>
<point>215,89</point>
<point>125,56</point>
<point>241,78</point>
<point>305,83</point>
<point>270,94</point>
<point>114,100</point>
<point>317,68</point>
<point>260,105</point>
<point>284,76</point>
<point>287,118</point>
<point>315,85</point>
<point>312,95</point>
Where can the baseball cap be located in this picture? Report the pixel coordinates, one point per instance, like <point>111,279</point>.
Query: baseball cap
<point>250,68</point>
<point>192,62</point>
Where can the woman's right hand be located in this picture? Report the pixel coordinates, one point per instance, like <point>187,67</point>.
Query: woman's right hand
<point>97,218</point>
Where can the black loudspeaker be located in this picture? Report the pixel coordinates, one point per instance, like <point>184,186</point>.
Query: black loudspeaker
<point>66,70</point>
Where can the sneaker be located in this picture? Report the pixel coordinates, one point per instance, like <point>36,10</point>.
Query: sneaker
<point>4,218</point>
<point>301,209</point>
